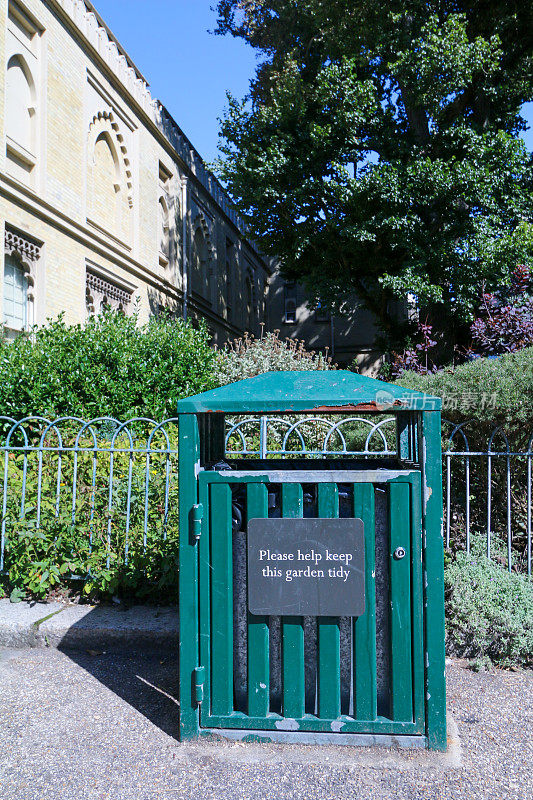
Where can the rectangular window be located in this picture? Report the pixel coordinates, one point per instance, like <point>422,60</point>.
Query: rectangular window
<point>15,296</point>
<point>289,290</point>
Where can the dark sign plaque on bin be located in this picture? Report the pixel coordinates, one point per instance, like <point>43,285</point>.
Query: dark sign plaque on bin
<point>311,567</point>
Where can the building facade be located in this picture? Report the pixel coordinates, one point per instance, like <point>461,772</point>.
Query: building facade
<point>103,199</point>
<point>104,202</point>
<point>349,339</point>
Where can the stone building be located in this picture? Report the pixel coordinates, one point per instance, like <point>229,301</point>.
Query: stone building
<point>349,339</point>
<point>103,199</point>
<point>105,202</point>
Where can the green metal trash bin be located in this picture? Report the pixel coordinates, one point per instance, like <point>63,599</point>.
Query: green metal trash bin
<point>311,600</point>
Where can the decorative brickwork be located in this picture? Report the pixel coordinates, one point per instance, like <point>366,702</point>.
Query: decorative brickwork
<point>101,293</point>
<point>16,243</point>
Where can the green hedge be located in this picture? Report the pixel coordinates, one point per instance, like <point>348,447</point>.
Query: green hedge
<point>509,378</point>
<point>108,366</point>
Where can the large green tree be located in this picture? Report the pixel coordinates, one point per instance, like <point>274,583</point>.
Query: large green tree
<point>378,154</point>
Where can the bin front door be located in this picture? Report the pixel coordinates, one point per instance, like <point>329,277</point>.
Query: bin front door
<point>335,675</point>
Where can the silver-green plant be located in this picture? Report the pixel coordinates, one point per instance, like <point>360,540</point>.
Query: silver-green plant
<point>249,356</point>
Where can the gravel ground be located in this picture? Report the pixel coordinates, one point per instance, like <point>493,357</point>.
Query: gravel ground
<point>102,726</point>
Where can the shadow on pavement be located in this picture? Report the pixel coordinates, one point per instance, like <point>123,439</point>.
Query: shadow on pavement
<point>141,673</point>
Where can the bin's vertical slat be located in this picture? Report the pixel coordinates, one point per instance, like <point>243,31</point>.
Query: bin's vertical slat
<point>258,629</point>
<point>329,664</point>
<point>221,601</point>
<point>293,665</point>
<point>401,679</point>
<point>417,600</point>
<point>365,678</point>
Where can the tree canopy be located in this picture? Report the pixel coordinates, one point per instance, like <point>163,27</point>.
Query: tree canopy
<point>378,154</point>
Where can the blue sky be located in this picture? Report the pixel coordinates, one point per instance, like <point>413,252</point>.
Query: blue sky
<point>188,68</point>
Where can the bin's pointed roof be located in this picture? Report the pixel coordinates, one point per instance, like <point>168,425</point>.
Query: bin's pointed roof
<point>316,391</point>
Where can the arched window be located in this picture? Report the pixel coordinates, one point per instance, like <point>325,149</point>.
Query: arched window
<point>105,184</point>
<point>200,265</point>
<point>20,104</point>
<point>21,256</point>
<point>109,186</point>
<point>15,296</point>
<point>163,230</point>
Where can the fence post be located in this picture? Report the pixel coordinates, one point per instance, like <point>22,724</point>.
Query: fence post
<point>263,437</point>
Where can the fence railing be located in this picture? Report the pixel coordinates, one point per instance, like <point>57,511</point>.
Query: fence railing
<point>487,491</point>
<point>113,480</point>
<point>117,481</point>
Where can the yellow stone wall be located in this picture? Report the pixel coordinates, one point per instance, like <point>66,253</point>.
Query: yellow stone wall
<point>92,198</point>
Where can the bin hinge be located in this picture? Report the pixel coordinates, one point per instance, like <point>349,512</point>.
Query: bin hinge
<point>199,678</point>
<point>196,520</point>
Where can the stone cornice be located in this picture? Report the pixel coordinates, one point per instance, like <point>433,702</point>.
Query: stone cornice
<point>14,191</point>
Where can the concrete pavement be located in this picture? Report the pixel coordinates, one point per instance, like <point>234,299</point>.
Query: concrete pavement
<point>95,725</point>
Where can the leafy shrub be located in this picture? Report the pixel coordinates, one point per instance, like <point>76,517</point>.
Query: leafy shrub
<point>489,612</point>
<point>61,558</point>
<point>248,356</point>
<point>505,324</point>
<point>108,366</point>
<point>487,390</point>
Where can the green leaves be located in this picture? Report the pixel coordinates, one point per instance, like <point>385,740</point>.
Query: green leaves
<point>110,366</point>
<point>440,63</point>
<point>489,612</point>
<point>378,154</point>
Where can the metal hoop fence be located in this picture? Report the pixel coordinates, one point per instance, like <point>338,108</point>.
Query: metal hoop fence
<point>116,482</point>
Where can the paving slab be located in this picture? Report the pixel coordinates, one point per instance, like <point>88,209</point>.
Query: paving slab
<point>95,725</point>
<point>69,625</point>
